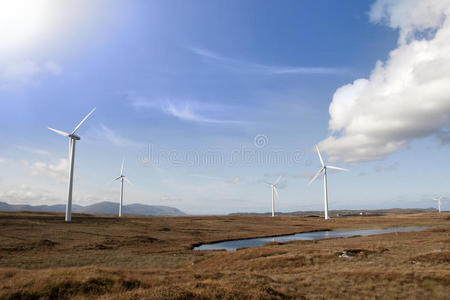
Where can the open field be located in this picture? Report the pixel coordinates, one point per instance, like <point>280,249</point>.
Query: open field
<point>42,257</point>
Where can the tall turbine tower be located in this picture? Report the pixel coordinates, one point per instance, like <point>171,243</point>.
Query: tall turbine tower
<point>274,187</point>
<point>323,171</point>
<point>72,139</point>
<point>122,178</point>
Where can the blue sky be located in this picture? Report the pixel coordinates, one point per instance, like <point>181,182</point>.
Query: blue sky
<point>182,88</point>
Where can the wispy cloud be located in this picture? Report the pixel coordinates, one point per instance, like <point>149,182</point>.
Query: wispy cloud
<point>183,110</point>
<point>108,134</point>
<point>187,111</point>
<point>303,70</point>
<point>234,180</point>
<point>386,168</point>
<point>168,199</point>
<point>33,150</point>
<point>247,66</point>
<point>23,72</point>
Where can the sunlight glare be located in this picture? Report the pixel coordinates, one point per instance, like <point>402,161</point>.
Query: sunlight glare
<point>22,22</point>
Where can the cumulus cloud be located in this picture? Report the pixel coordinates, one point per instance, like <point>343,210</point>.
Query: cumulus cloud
<point>23,72</point>
<point>27,194</point>
<point>406,97</point>
<point>57,171</point>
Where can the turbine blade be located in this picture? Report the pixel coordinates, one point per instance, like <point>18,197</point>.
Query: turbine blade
<point>121,169</point>
<point>117,178</point>
<point>268,183</point>
<point>315,176</point>
<point>126,179</point>
<point>336,168</point>
<point>82,121</point>
<point>278,180</point>
<point>320,156</point>
<point>59,131</point>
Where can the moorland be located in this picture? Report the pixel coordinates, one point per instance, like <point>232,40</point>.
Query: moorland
<point>104,257</point>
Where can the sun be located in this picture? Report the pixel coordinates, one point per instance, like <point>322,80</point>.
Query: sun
<point>22,22</point>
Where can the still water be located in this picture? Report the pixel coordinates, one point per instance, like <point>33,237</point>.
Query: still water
<point>256,242</point>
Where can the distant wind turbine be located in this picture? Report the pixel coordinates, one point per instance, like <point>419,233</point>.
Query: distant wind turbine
<point>73,139</point>
<point>439,199</point>
<point>323,171</point>
<point>122,178</point>
<point>274,187</point>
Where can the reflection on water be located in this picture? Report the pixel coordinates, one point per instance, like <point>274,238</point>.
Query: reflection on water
<point>256,242</point>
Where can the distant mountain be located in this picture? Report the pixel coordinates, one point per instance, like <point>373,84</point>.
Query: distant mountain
<point>108,208</point>
<point>350,212</point>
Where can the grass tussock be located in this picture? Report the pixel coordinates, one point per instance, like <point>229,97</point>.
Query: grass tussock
<point>437,257</point>
<point>69,288</point>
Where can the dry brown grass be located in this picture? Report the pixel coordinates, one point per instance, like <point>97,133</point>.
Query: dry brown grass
<point>42,257</point>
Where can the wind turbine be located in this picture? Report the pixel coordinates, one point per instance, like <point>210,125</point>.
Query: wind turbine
<point>323,171</point>
<point>274,187</point>
<point>122,178</point>
<point>73,139</point>
<point>439,199</point>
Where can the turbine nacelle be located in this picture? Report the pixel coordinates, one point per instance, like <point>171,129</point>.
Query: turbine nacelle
<point>122,176</point>
<point>72,135</point>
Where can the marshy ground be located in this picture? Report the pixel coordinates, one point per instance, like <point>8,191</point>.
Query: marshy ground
<point>42,257</point>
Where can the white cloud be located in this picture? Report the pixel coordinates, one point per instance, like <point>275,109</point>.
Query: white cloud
<point>23,72</point>
<point>411,17</point>
<point>115,138</point>
<point>168,199</point>
<point>3,160</point>
<point>27,194</point>
<point>405,98</point>
<point>183,110</point>
<point>189,111</point>
<point>234,180</point>
<point>34,150</point>
<point>245,66</point>
<point>58,171</point>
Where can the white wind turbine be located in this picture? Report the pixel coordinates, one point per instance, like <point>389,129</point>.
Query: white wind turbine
<point>73,139</point>
<point>122,178</point>
<point>323,171</point>
<point>274,187</point>
<point>439,199</point>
